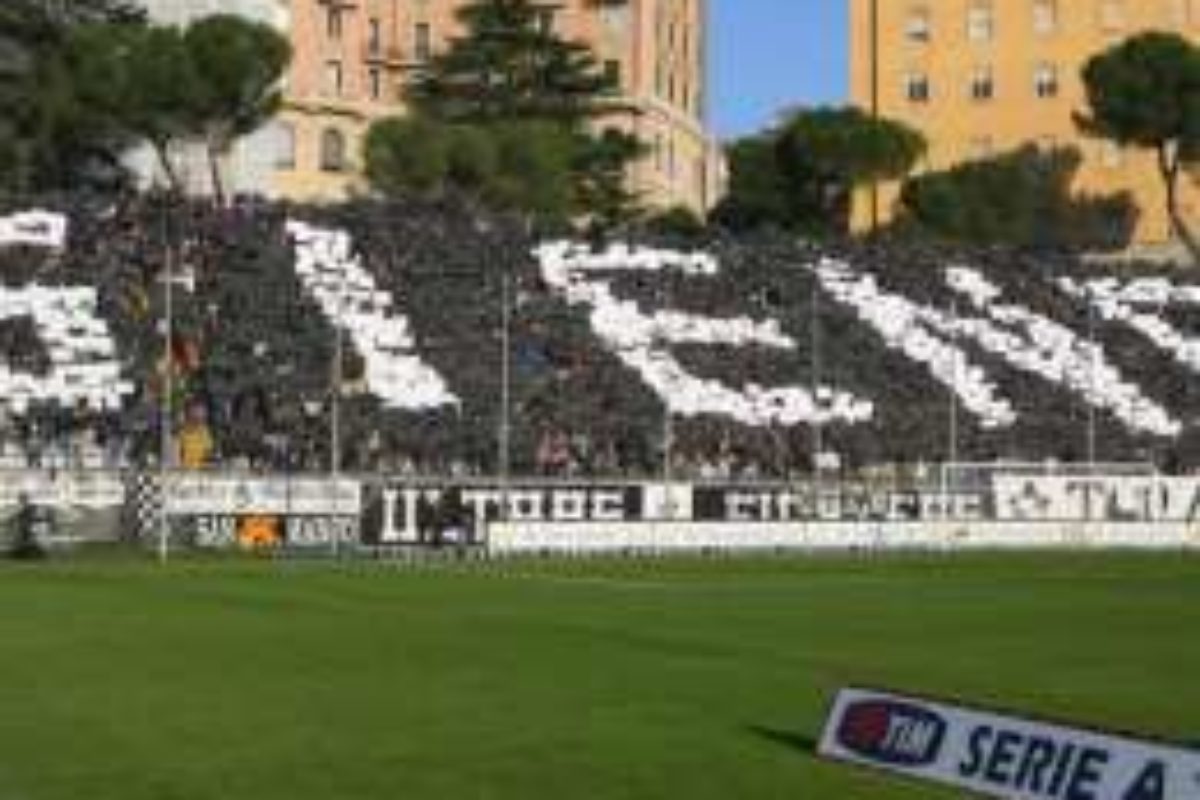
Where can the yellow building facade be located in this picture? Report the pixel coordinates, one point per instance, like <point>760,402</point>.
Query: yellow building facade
<point>355,58</point>
<point>978,77</point>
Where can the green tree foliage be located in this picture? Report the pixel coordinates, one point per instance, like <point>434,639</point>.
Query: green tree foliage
<point>534,173</point>
<point>758,191</point>
<point>599,166</point>
<point>407,154</point>
<point>678,223</point>
<point>802,174</point>
<point>141,80</point>
<point>511,74</point>
<point>510,64</point>
<point>1145,92</point>
<point>238,66</point>
<point>827,153</point>
<point>88,80</point>
<point>520,165</point>
<point>48,137</point>
<point>1022,198</point>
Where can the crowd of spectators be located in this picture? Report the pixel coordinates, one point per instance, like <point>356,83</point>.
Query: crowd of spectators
<point>248,379</point>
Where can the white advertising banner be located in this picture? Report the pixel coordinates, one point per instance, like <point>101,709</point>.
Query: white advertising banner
<point>664,537</point>
<point>1001,755</point>
<point>198,494</point>
<point>62,489</point>
<point>1114,498</point>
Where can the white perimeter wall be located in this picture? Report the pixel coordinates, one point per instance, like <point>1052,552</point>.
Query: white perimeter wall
<point>585,537</point>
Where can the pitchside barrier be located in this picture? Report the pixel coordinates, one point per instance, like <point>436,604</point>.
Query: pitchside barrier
<point>84,505</point>
<point>228,510</point>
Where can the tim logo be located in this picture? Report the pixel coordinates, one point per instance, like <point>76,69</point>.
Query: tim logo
<point>894,733</point>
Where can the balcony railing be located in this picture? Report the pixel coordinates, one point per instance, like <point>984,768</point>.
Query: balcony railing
<point>391,54</point>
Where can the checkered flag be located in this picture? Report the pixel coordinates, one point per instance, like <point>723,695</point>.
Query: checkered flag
<point>143,503</point>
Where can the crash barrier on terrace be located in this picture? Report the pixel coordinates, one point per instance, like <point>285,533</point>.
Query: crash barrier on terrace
<point>347,514</point>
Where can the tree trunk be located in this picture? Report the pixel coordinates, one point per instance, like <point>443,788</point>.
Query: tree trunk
<point>214,168</point>
<point>1169,165</point>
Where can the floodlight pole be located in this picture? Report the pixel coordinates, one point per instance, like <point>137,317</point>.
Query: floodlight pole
<point>335,403</point>
<point>951,423</point>
<point>1091,416</point>
<point>504,435</point>
<point>668,421</point>
<point>165,433</point>
<point>814,335</point>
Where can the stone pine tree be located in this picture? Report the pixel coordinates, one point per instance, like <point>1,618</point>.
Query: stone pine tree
<point>802,174</point>
<point>1145,92</point>
<point>238,66</point>
<point>827,153</point>
<point>48,137</point>
<point>142,81</point>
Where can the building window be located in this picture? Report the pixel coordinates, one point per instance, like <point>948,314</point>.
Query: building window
<point>983,85</point>
<point>1045,17</point>
<point>333,79</point>
<point>285,146</point>
<point>981,21</point>
<point>917,27</point>
<point>916,87</point>
<point>375,81</point>
<point>333,150</point>
<point>374,36</point>
<point>1112,15</point>
<point>422,42</point>
<point>333,22</point>
<point>1045,81</point>
<point>612,73</point>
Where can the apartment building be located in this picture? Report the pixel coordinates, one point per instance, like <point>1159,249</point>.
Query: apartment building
<point>982,76</point>
<point>353,60</point>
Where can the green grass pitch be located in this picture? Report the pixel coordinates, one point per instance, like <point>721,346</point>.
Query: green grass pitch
<point>248,680</point>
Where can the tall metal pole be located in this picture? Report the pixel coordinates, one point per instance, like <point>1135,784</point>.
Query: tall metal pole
<point>814,336</point>
<point>668,421</point>
<point>952,423</point>
<point>1091,417</point>
<point>165,422</point>
<point>335,400</point>
<point>504,436</point>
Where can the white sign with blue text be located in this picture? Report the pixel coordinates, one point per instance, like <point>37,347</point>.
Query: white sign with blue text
<point>1000,755</point>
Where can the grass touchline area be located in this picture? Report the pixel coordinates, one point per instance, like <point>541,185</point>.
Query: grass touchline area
<point>691,677</point>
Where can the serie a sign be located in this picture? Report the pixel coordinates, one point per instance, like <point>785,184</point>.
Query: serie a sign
<point>998,755</point>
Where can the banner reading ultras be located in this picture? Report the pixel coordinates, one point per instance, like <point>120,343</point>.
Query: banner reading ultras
<point>1003,756</point>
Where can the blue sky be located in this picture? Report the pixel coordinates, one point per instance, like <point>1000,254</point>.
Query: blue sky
<point>771,54</point>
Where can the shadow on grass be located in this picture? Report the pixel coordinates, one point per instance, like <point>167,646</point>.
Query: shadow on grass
<point>796,742</point>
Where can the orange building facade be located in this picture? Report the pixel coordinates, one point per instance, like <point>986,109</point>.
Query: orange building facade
<point>354,59</point>
<point>978,77</point>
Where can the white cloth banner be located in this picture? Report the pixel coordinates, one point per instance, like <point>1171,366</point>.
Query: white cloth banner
<point>36,228</point>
